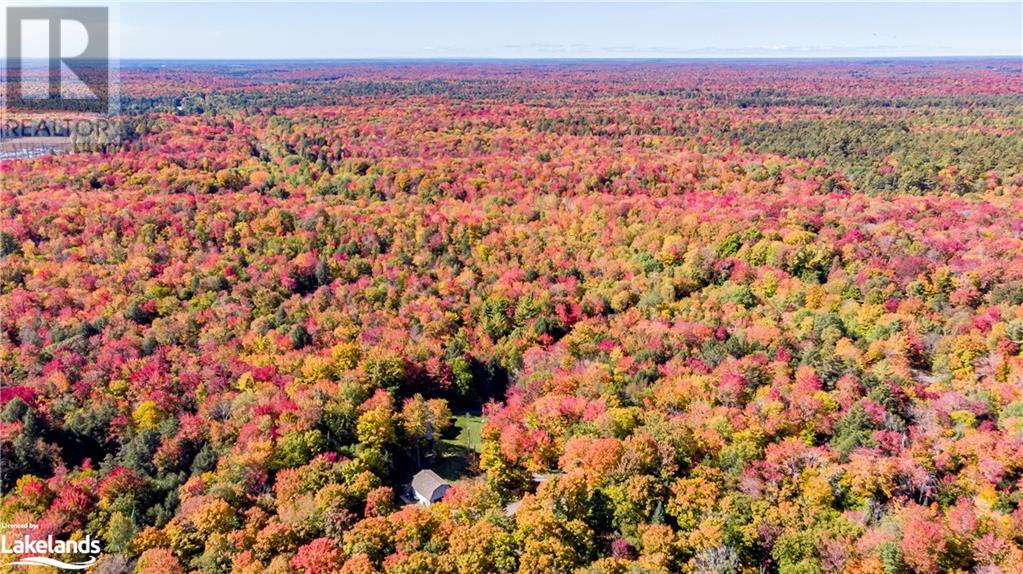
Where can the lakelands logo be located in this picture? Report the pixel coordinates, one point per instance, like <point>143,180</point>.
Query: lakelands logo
<point>39,552</point>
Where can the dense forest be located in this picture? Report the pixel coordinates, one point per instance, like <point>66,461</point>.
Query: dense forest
<point>644,317</point>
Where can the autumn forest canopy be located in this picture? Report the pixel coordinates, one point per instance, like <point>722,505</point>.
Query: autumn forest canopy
<point>645,317</point>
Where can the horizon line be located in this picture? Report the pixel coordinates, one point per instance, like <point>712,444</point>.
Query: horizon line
<point>1018,57</point>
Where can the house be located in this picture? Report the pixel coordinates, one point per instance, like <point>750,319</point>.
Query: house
<point>513,507</point>
<point>542,477</point>
<point>428,487</point>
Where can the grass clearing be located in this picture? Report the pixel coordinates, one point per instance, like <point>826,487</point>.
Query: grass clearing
<point>469,425</point>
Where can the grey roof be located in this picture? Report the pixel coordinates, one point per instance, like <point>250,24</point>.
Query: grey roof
<point>426,482</point>
<point>513,507</point>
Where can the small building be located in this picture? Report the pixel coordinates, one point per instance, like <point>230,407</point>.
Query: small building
<point>542,477</point>
<point>513,507</point>
<point>428,487</point>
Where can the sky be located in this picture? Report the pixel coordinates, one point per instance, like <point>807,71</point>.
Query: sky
<point>266,30</point>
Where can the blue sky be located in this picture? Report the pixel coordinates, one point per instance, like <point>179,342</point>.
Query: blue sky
<point>568,30</point>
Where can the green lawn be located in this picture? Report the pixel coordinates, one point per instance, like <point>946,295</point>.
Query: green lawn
<point>459,447</point>
<point>452,466</point>
<point>468,425</point>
